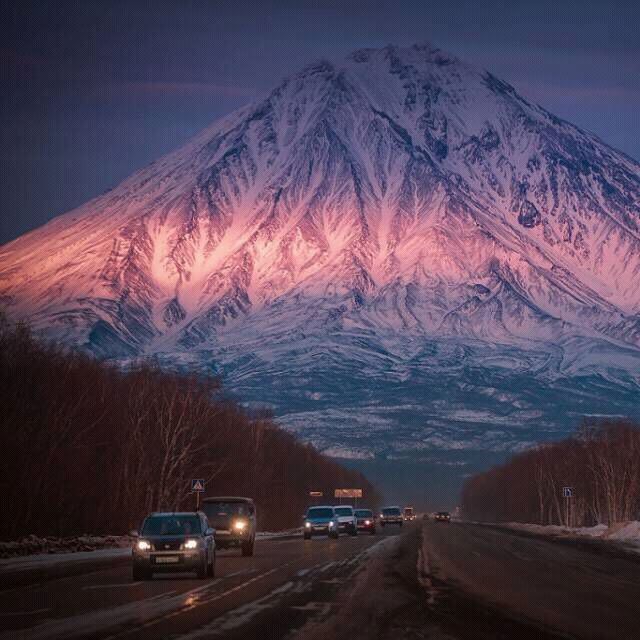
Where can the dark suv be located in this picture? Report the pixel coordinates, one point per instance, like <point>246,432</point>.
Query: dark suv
<point>234,520</point>
<point>181,542</point>
<point>391,515</point>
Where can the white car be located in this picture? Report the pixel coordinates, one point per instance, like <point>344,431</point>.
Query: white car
<point>347,521</point>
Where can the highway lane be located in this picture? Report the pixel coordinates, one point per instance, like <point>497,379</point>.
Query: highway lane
<point>553,588</point>
<point>436,580</point>
<point>288,576</point>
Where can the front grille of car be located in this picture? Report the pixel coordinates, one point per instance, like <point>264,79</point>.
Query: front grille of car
<point>167,545</point>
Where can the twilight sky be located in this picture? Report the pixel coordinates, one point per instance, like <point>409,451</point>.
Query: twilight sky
<point>91,91</point>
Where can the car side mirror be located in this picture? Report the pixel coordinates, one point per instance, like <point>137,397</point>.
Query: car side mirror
<point>134,533</point>
<point>210,532</point>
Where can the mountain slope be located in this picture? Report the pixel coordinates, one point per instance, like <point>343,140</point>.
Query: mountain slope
<point>399,216</point>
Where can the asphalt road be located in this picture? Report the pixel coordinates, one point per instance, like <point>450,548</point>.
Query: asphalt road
<point>278,589</point>
<point>436,581</point>
<point>575,589</point>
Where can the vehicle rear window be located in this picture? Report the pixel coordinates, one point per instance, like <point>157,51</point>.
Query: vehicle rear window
<point>320,512</point>
<point>391,511</point>
<point>171,525</point>
<point>213,509</point>
<point>344,511</point>
<point>364,513</point>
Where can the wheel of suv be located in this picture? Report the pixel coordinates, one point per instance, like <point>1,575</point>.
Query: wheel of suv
<point>203,569</point>
<point>354,530</point>
<point>211,568</point>
<point>334,534</point>
<point>307,536</point>
<point>141,574</point>
<point>247,548</point>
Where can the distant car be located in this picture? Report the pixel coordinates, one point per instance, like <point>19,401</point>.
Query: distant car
<point>320,520</point>
<point>409,514</point>
<point>181,542</point>
<point>365,520</point>
<point>347,522</point>
<point>234,519</point>
<point>391,515</point>
<point>443,516</point>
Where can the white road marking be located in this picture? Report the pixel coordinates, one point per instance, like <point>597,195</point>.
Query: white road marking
<point>23,613</point>
<point>322,608</point>
<point>112,586</point>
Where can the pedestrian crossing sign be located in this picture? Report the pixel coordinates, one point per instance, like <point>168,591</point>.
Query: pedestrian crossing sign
<point>197,485</point>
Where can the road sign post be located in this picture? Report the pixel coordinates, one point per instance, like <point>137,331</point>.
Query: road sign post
<point>197,487</point>
<point>567,493</point>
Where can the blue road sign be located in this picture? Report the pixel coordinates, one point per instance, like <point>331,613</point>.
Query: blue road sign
<point>197,485</point>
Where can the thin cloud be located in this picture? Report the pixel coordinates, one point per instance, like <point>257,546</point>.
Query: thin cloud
<point>192,88</point>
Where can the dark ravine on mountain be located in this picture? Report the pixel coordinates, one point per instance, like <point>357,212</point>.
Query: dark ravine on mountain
<point>397,252</point>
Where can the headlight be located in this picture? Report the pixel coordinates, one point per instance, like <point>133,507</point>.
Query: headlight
<point>307,524</point>
<point>143,545</point>
<point>240,525</point>
<point>331,523</point>
<point>367,522</point>
<point>191,544</point>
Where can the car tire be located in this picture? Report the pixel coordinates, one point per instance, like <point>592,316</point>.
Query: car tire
<point>307,536</point>
<point>382,524</point>
<point>247,549</point>
<point>401,525</point>
<point>373,532</point>
<point>211,568</point>
<point>139,574</point>
<point>354,531</point>
<point>335,535</point>
<point>203,570</point>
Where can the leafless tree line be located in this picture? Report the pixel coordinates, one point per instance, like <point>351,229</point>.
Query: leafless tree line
<point>88,447</point>
<point>600,464</point>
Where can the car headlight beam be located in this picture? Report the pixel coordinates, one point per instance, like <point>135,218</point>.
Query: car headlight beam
<point>143,545</point>
<point>239,525</point>
<point>191,544</point>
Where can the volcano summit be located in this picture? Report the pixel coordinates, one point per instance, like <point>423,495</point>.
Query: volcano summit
<point>397,252</point>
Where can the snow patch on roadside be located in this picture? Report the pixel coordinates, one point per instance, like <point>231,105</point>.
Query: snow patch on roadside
<point>622,532</point>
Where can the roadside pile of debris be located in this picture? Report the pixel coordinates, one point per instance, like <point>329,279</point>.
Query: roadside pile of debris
<point>33,544</point>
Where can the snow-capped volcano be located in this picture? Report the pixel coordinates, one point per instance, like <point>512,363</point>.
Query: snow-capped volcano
<point>395,245</point>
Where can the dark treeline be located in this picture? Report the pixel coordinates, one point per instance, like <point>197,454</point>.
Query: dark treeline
<point>88,447</point>
<point>601,463</point>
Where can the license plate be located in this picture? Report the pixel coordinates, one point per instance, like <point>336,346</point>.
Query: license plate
<point>223,532</point>
<point>167,559</point>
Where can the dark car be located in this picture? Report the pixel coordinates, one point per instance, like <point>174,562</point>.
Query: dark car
<point>181,542</point>
<point>320,520</point>
<point>234,520</point>
<point>443,516</point>
<point>365,520</point>
<point>391,515</point>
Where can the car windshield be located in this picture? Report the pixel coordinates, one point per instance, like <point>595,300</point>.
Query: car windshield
<point>320,512</point>
<point>391,511</point>
<point>363,513</point>
<point>344,511</point>
<point>226,508</point>
<point>171,525</point>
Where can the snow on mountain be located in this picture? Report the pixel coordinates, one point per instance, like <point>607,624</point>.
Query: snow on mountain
<point>397,252</point>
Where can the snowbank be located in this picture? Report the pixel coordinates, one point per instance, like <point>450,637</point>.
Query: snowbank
<point>36,545</point>
<point>622,532</point>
